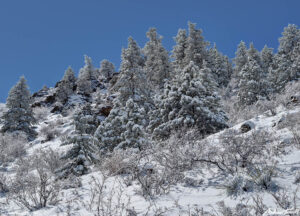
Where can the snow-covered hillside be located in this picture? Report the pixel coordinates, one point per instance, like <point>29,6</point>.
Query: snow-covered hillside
<point>200,187</point>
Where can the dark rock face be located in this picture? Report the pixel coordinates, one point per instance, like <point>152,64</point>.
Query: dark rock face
<point>50,99</point>
<point>57,109</point>
<point>105,110</point>
<point>41,93</point>
<point>247,126</point>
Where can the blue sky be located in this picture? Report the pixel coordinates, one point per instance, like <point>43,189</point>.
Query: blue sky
<point>40,39</point>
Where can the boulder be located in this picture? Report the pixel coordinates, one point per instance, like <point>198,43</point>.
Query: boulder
<point>105,110</point>
<point>247,126</point>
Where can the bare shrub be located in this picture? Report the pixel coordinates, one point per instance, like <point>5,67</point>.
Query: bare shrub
<point>34,187</point>
<point>297,178</point>
<point>285,200</point>
<point>104,202</point>
<point>236,153</point>
<point>3,183</point>
<point>238,184</point>
<point>50,131</point>
<point>41,113</point>
<point>12,146</point>
<point>237,114</point>
<point>50,159</point>
<point>120,162</point>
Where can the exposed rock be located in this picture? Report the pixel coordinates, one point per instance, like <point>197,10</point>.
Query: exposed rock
<point>41,93</point>
<point>247,126</point>
<point>105,110</point>
<point>192,182</point>
<point>57,109</point>
<point>50,99</point>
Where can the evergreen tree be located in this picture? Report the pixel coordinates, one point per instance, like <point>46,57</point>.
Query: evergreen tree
<point>196,46</point>
<point>178,52</point>
<point>66,86</point>
<point>84,146</point>
<point>290,38</point>
<point>240,58</point>
<point>19,117</point>
<point>220,66</point>
<point>253,53</point>
<point>132,77</point>
<point>106,71</point>
<point>124,126</point>
<point>157,64</point>
<point>191,102</point>
<point>249,85</point>
<point>284,67</point>
<point>87,79</point>
<point>266,56</point>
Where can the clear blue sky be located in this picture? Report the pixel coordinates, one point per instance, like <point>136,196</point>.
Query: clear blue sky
<point>40,38</point>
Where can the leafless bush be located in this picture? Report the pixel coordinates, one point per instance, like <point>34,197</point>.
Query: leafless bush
<point>49,158</point>
<point>237,114</point>
<point>50,131</point>
<point>284,200</point>
<point>120,162</point>
<point>34,187</point>
<point>41,113</point>
<point>234,152</point>
<point>12,146</point>
<point>107,203</point>
<point>297,178</point>
<point>3,184</point>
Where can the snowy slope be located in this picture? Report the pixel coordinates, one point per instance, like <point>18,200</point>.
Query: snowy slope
<point>181,197</point>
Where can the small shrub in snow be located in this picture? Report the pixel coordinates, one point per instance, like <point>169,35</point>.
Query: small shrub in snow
<point>41,113</point>
<point>233,186</point>
<point>192,182</point>
<point>3,183</point>
<point>12,147</point>
<point>297,178</point>
<point>105,201</point>
<point>34,187</point>
<point>50,131</point>
<point>262,177</point>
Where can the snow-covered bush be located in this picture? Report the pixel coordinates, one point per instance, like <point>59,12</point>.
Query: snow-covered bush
<point>107,200</point>
<point>34,186</point>
<point>297,178</point>
<point>262,177</point>
<point>3,183</point>
<point>120,161</point>
<point>12,147</point>
<point>41,113</point>
<point>50,131</point>
<point>233,185</point>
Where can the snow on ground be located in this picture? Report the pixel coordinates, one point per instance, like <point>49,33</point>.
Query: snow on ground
<point>206,195</point>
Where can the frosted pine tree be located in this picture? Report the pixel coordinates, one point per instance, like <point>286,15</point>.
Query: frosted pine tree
<point>19,117</point>
<point>192,102</point>
<point>240,58</point>
<point>157,65</point>
<point>134,122</point>
<point>196,50</point>
<point>249,84</point>
<point>66,86</point>
<point>106,71</point>
<point>220,66</point>
<point>84,146</point>
<point>87,79</point>
<point>284,68</point>
<point>132,81</point>
<point>124,126</point>
<point>266,56</point>
<point>288,41</point>
<point>178,52</point>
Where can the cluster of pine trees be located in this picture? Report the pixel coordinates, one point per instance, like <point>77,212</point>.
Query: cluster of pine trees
<point>156,93</point>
